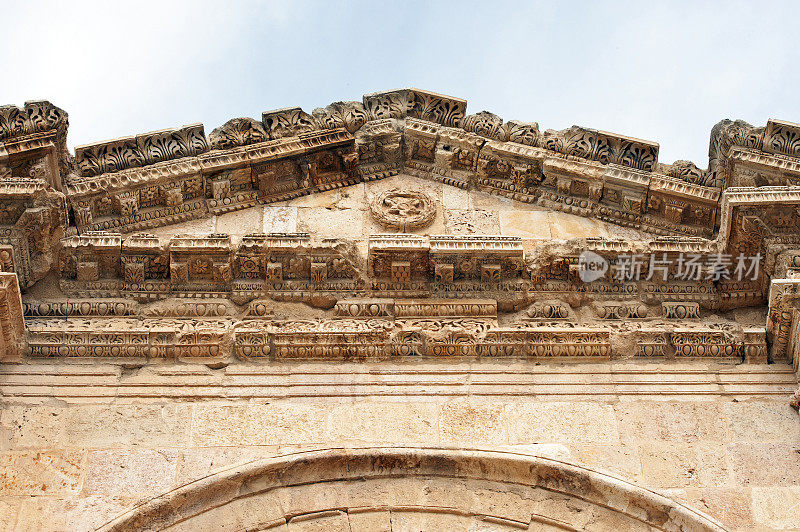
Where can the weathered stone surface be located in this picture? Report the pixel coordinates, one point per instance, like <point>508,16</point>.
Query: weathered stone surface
<point>732,506</point>
<point>9,510</point>
<point>384,423</point>
<point>673,421</point>
<point>82,513</point>
<point>279,219</point>
<point>622,459</point>
<point>764,463</point>
<point>673,465</point>
<point>334,521</point>
<point>239,222</point>
<point>763,421</point>
<point>481,423</point>
<point>259,424</point>
<point>82,426</point>
<point>525,224</point>
<point>377,521</point>
<point>196,462</point>
<point>41,472</point>
<point>552,422</point>
<point>461,222</point>
<point>347,223</point>
<point>777,508</point>
<point>131,472</point>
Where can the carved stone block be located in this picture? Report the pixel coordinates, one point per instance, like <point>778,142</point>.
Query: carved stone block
<point>490,273</point>
<point>403,209</point>
<point>704,343</point>
<point>287,122</point>
<point>134,271</point>
<point>548,311</point>
<point>621,310</point>
<point>782,137</point>
<point>221,187</point>
<point>364,308</point>
<point>127,203</point>
<point>274,272</point>
<point>651,343</point>
<point>179,272</point>
<point>172,196</point>
<point>319,273</point>
<point>222,272</point>
<point>443,273</point>
<point>673,211</point>
<point>7,259</point>
<point>88,271</point>
<point>445,308</point>
<point>755,345</point>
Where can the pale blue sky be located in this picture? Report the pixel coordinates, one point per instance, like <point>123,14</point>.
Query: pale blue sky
<point>662,71</point>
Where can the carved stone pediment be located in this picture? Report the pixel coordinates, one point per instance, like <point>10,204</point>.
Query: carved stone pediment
<point>493,224</point>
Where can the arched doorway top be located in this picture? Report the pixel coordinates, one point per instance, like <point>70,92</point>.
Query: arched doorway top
<point>440,488</point>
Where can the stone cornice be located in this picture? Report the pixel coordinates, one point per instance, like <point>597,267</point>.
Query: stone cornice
<point>626,184</point>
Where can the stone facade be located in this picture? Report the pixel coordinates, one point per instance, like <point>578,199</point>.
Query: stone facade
<point>401,283</point>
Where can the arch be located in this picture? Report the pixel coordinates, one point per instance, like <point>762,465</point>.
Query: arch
<point>404,488</point>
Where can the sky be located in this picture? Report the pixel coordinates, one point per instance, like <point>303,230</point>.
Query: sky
<point>661,71</point>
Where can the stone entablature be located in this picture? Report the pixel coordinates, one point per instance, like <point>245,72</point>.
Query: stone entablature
<point>114,189</point>
<point>374,329</point>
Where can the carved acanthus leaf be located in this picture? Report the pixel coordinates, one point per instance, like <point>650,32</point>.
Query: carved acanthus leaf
<point>238,132</point>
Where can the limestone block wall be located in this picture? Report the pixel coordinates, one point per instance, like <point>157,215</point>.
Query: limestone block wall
<point>82,443</point>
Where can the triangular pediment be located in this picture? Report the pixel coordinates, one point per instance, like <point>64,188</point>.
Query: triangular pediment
<point>358,211</point>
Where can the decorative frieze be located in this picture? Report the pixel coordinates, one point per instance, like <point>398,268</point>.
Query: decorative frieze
<point>76,308</point>
<point>548,311</point>
<point>578,342</point>
<point>510,169</point>
<point>378,145</point>
<point>652,343</point>
<point>708,343</point>
<point>781,137</point>
<point>364,308</point>
<point>679,310</point>
<point>287,122</point>
<point>621,310</point>
<point>445,308</point>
